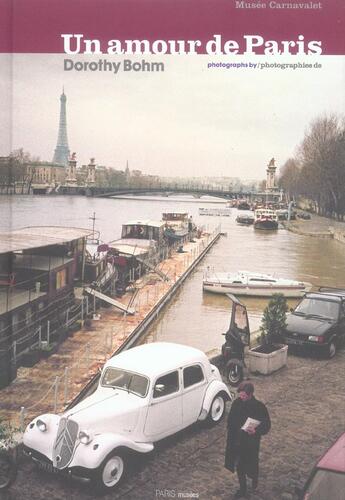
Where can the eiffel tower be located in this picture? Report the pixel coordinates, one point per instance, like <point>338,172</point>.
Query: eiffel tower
<point>61,153</point>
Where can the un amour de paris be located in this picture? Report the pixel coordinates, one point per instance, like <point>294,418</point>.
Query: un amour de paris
<point>250,44</point>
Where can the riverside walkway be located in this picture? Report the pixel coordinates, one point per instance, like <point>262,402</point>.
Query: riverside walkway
<point>53,382</point>
<point>317,226</point>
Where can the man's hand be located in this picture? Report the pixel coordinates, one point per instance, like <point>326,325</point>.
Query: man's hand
<point>251,430</point>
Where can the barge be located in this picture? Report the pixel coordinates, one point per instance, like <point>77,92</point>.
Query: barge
<point>178,226</point>
<point>265,219</point>
<point>142,245</point>
<point>40,270</point>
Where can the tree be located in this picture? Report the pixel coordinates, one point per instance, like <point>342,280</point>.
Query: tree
<point>323,168</point>
<point>273,322</point>
<point>290,178</point>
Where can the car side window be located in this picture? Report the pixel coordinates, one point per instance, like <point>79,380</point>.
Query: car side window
<point>168,384</point>
<point>192,375</point>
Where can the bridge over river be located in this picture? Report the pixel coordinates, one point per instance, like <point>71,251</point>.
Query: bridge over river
<point>168,190</point>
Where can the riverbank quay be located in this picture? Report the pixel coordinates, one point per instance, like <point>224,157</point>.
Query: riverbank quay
<point>317,226</point>
<point>307,413</point>
<point>55,381</point>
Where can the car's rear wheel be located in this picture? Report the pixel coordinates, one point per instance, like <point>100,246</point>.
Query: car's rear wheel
<point>112,470</point>
<point>217,409</point>
<point>331,349</point>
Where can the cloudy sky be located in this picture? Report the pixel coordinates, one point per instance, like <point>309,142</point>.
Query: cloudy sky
<point>189,120</point>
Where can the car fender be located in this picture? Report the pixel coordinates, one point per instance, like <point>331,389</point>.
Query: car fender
<point>92,455</point>
<point>42,442</point>
<point>214,388</point>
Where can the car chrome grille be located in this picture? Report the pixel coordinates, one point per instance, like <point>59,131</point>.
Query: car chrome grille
<point>65,443</point>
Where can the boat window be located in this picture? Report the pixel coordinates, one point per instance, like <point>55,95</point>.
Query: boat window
<point>263,280</point>
<point>61,279</point>
<point>128,381</point>
<point>192,375</point>
<point>168,384</point>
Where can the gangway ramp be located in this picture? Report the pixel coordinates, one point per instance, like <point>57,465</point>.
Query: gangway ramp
<point>153,268</point>
<point>109,300</point>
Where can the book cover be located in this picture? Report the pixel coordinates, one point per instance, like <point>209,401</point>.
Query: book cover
<point>115,112</point>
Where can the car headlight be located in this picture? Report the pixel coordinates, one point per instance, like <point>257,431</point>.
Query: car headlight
<point>85,437</point>
<point>41,425</point>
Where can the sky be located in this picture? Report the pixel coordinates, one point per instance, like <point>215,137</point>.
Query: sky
<point>189,120</point>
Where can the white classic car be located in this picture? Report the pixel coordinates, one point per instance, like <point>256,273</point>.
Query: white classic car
<point>144,394</point>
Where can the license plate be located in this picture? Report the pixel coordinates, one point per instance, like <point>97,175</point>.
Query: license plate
<point>294,341</point>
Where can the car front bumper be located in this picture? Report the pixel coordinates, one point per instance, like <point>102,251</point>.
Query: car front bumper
<point>80,473</point>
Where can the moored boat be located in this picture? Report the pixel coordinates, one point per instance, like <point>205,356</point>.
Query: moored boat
<point>178,226</point>
<point>142,245</point>
<point>245,220</point>
<point>265,218</point>
<point>253,284</point>
<point>243,205</point>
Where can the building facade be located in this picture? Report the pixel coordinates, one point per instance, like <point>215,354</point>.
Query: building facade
<point>45,173</point>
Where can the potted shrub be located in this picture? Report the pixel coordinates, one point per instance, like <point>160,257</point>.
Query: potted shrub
<point>271,355</point>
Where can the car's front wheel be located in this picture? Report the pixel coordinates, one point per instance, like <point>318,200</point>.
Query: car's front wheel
<point>217,409</point>
<point>112,470</point>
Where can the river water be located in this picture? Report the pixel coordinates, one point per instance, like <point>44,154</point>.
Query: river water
<point>193,317</point>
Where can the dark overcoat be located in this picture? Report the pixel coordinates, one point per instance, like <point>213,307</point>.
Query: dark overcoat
<point>242,448</point>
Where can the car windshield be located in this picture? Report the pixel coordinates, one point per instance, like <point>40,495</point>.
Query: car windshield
<point>326,484</point>
<point>321,308</point>
<point>127,381</point>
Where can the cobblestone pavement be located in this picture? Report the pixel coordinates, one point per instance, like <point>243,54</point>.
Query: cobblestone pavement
<point>307,409</point>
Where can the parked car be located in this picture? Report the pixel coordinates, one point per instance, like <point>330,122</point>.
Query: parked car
<point>327,479</point>
<point>318,322</point>
<point>144,394</point>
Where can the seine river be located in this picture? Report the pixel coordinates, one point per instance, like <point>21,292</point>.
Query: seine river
<point>193,317</point>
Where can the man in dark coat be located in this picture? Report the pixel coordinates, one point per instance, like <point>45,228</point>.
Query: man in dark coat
<point>243,442</point>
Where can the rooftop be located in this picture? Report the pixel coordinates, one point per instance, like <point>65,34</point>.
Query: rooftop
<point>147,222</point>
<point>157,358</point>
<point>39,236</point>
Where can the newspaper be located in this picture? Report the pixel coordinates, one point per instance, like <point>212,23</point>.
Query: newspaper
<point>250,423</point>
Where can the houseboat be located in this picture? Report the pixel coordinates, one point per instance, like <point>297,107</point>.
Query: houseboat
<point>178,226</point>
<point>142,245</point>
<point>265,218</point>
<point>253,284</point>
<point>245,220</point>
<point>39,267</point>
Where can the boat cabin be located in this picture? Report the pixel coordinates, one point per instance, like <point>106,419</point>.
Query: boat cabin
<point>38,269</point>
<point>265,213</point>
<point>175,216</point>
<point>143,230</point>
